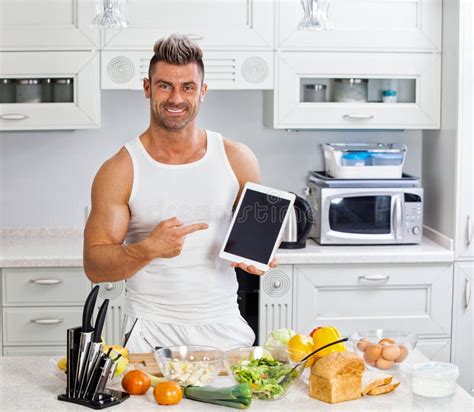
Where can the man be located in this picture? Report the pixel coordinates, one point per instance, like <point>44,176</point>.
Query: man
<point>170,194</point>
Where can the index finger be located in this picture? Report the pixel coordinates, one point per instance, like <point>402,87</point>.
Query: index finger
<point>194,227</point>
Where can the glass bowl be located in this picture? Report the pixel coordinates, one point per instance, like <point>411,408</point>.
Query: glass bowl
<point>261,367</point>
<point>383,349</point>
<point>189,365</point>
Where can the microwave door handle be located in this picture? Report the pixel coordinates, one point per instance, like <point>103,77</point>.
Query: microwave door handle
<point>397,218</point>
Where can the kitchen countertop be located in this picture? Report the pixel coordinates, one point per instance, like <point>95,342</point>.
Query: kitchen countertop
<point>62,247</point>
<point>32,383</point>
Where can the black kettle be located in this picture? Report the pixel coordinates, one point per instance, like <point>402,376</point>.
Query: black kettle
<point>298,226</point>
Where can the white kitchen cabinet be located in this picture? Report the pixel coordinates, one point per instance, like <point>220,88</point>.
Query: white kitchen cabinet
<point>465,147</point>
<point>44,286</point>
<point>81,109</point>
<point>224,70</point>
<point>33,326</point>
<point>223,25</point>
<point>115,292</point>
<point>412,297</point>
<point>47,25</point>
<point>438,350</point>
<point>275,301</point>
<point>38,305</point>
<point>463,324</point>
<point>417,78</point>
<point>364,25</point>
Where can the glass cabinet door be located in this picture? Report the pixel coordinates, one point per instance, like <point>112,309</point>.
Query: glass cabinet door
<point>49,90</point>
<point>355,90</point>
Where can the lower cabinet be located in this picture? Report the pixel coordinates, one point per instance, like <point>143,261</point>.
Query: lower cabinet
<point>463,324</point>
<point>412,297</point>
<point>435,349</point>
<point>38,305</point>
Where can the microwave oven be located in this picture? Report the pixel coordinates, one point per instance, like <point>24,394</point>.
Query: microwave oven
<point>366,216</point>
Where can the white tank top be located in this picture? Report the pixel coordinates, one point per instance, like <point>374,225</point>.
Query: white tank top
<point>196,287</point>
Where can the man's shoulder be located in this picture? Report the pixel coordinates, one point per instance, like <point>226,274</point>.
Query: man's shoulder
<point>236,149</point>
<point>120,163</point>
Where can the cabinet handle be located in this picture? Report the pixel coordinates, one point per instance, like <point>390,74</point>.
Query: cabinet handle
<point>358,116</point>
<point>467,294</point>
<point>375,278</point>
<point>46,281</point>
<point>468,231</point>
<point>193,36</point>
<point>47,321</point>
<point>13,116</point>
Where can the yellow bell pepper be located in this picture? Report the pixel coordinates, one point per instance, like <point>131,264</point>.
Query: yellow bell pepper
<point>324,335</point>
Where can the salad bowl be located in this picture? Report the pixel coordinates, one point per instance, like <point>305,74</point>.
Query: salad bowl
<point>262,368</point>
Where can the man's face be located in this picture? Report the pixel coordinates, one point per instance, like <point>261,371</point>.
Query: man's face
<point>175,92</point>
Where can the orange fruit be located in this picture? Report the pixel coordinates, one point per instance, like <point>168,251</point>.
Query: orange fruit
<point>168,393</point>
<point>298,347</point>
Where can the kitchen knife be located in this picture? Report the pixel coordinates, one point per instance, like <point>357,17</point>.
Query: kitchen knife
<point>104,377</point>
<point>96,344</point>
<point>86,338</point>
<point>73,338</point>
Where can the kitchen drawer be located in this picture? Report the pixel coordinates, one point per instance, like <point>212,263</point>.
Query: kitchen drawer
<point>44,286</point>
<point>34,351</point>
<point>39,326</point>
<point>412,297</point>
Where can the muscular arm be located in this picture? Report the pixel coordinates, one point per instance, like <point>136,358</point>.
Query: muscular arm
<point>105,257</point>
<point>244,164</point>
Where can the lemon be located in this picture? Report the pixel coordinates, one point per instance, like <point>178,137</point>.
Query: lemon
<point>62,363</point>
<point>260,353</point>
<point>121,365</point>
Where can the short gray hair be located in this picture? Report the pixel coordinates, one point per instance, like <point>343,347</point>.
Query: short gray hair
<point>176,49</point>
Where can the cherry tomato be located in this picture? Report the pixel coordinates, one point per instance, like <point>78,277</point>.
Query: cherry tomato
<point>168,393</point>
<point>136,382</point>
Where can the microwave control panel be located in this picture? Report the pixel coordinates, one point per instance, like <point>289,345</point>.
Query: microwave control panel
<point>413,218</point>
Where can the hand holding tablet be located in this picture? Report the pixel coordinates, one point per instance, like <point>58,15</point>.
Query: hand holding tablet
<point>257,226</point>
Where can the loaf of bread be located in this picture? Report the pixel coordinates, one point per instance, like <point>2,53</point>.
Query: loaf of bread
<point>337,377</point>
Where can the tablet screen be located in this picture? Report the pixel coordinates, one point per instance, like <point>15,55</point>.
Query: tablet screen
<point>257,226</point>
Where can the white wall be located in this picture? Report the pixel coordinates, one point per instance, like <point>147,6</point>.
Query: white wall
<point>46,175</point>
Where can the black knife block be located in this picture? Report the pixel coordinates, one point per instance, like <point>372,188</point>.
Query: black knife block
<point>108,397</point>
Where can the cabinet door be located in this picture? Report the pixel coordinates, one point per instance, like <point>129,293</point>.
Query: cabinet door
<point>80,111</point>
<point>275,304</point>
<point>416,78</point>
<point>214,24</point>
<point>47,25</point>
<point>115,292</point>
<point>465,171</point>
<point>463,321</point>
<point>34,351</point>
<point>364,25</point>
<point>411,297</point>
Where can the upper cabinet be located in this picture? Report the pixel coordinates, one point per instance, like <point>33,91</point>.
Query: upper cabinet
<point>224,25</point>
<point>364,25</point>
<point>47,25</point>
<point>354,90</point>
<point>49,90</point>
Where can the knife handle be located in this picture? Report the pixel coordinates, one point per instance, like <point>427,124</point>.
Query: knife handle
<point>99,322</point>
<point>89,309</point>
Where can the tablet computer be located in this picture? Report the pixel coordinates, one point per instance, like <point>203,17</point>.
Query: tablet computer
<point>257,225</point>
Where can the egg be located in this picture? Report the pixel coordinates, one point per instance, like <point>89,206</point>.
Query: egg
<point>362,344</point>
<point>391,352</point>
<point>403,354</point>
<point>386,341</point>
<point>373,352</point>
<point>383,363</point>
